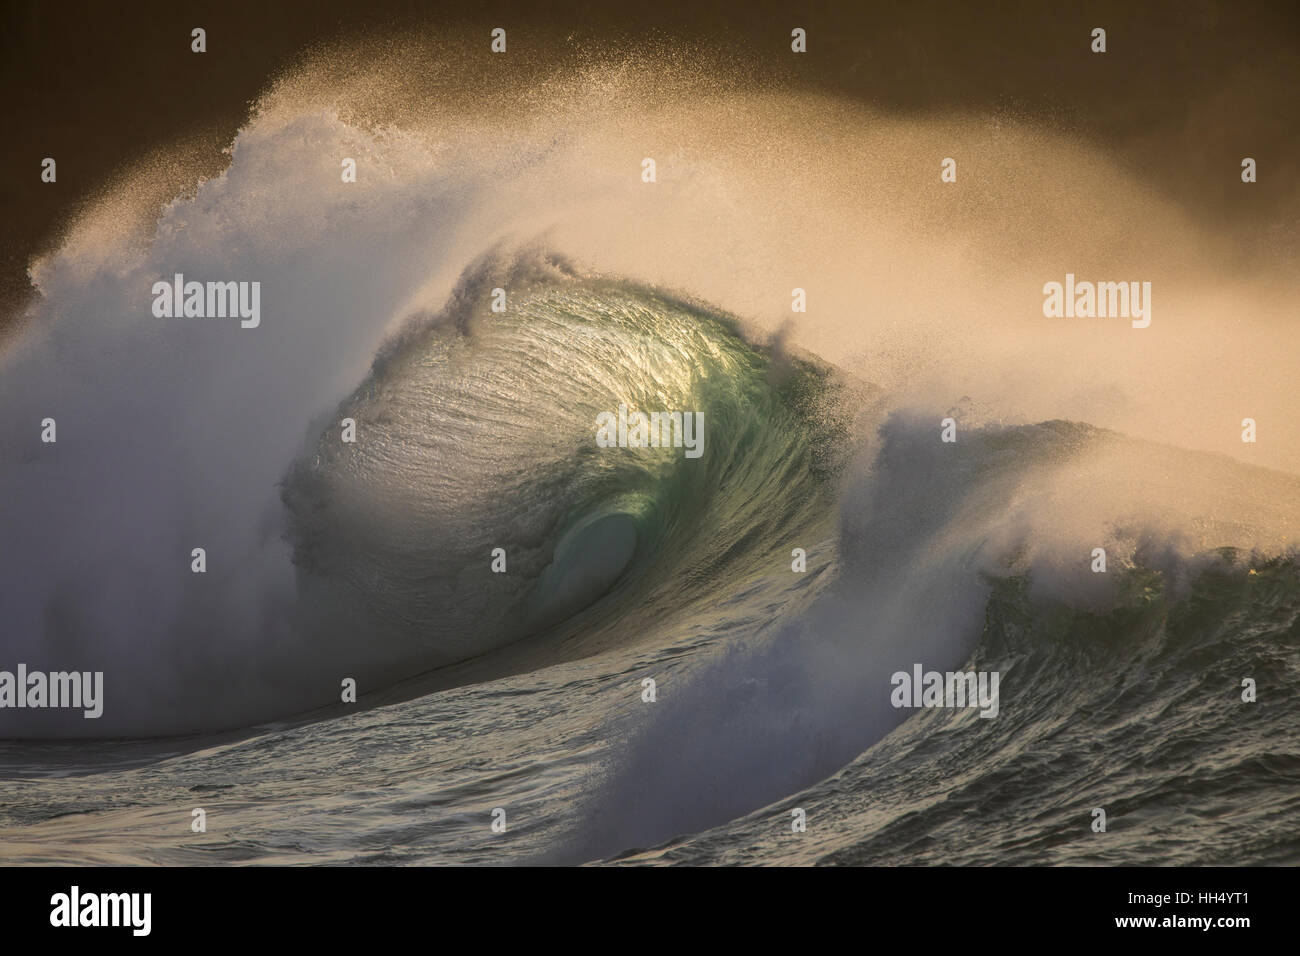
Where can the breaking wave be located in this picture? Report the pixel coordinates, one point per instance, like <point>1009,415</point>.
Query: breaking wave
<point>475,431</point>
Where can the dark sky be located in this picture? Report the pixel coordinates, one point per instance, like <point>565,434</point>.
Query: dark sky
<point>1185,91</point>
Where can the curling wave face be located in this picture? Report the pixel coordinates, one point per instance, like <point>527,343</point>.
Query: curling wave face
<point>478,506</point>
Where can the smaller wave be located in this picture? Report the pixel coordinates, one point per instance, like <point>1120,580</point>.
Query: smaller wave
<point>930,533</point>
<point>1137,710</point>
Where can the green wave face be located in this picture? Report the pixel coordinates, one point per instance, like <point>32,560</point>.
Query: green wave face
<point>477,431</point>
